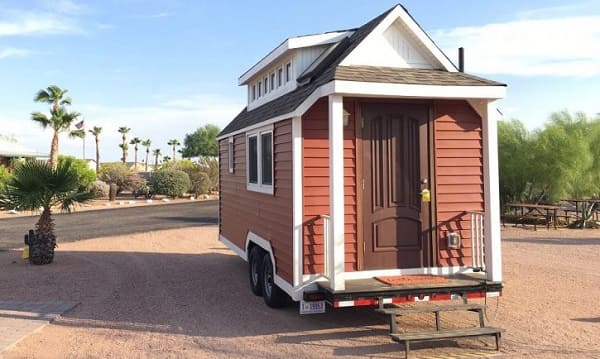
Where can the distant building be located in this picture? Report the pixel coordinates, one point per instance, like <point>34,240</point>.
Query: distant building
<point>10,151</point>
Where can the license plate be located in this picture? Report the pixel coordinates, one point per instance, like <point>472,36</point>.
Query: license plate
<point>315,307</point>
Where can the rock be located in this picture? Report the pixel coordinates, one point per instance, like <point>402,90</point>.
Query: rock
<point>149,201</point>
<point>13,211</point>
<point>131,202</point>
<point>165,200</point>
<point>205,196</point>
<point>121,203</point>
<point>192,198</point>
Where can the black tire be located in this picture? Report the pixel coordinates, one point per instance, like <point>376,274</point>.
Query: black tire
<point>273,296</point>
<point>255,270</point>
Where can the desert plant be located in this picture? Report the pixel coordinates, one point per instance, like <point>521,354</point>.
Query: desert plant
<point>37,185</point>
<point>100,189</point>
<point>5,177</point>
<point>174,143</point>
<point>124,131</point>
<point>96,133</point>
<point>156,153</point>
<point>60,119</point>
<point>200,182</point>
<point>172,183</point>
<point>135,142</point>
<point>116,173</point>
<point>147,143</point>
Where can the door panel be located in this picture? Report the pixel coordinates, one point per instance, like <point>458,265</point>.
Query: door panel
<point>395,160</point>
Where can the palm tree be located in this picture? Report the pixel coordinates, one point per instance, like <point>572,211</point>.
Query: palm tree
<point>174,143</point>
<point>96,133</point>
<point>60,119</point>
<point>147,143</point>
<point>135,142</point>
<point>124,131</point>
<point>156,154</point>
<point>166,159</point>
<point>37,185</point>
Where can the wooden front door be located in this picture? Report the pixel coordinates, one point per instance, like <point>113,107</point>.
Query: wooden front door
<point>395,166</point>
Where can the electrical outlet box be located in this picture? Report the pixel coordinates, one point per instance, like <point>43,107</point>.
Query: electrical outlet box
<point>453,240</point>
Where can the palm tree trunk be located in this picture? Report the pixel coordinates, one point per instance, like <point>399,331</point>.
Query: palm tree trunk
<point>54,151</point>
<point>147,154</point>
<point>43,244</point>
<point>135,158</point>
<point>173,152</point>
<point>155,162</point>
<point>97,155</point>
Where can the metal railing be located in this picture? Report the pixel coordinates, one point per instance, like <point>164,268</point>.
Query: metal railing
<point>477,239</point>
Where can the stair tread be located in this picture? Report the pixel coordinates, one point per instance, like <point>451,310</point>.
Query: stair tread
<point>430,309</point>
<point>446,333</point>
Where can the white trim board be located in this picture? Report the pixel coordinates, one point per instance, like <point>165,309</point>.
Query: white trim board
<point>310,278</point>
<point>375,89</point>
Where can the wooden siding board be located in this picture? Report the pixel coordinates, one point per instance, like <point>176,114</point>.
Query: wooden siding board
<point>459,176</point>
<point>269,216</point>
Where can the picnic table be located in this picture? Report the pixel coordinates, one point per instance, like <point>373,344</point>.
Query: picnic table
<point>528,212</point>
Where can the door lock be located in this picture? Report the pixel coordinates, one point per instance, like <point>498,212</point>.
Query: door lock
<point>426,195</point>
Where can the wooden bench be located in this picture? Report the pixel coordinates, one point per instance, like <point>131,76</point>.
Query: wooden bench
<point>406,338</point>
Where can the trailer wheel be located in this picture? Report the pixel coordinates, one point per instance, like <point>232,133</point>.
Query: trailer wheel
<point>255,270</point>
<point>273,296</point>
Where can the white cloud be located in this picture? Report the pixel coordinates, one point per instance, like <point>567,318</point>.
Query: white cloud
<point>568,46</point>
<point>12,51</point>
<point>21,23</point>
<point>160,14</point>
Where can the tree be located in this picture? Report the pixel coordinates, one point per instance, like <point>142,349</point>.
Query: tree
<point>135,142</point>
<point>124,131</point>
<point>174,143</point>
<point>37,185</point>
<point>166,159</point>
<point>60,119</point>
<point>96,133</point>
<point>85,175</point>
<point>156,154</point>
<point>202,142</point>
<point>147,143</point>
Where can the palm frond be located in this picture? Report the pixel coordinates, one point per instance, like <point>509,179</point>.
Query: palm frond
<point>77,133</point>
<point>42,96</point>
<point>66,101</point>
<point>41,118</point>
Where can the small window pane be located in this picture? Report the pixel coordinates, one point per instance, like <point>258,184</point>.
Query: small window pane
<point>259,89</point>
<point>272,81</point>
<point>252,160</point>
<point>288,72</point>
<point>266,84</point>
<point>266,141</point>
<point>253,92</point>
<point>279,77</point>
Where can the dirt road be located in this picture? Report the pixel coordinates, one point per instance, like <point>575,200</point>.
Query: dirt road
<point>180,293</point>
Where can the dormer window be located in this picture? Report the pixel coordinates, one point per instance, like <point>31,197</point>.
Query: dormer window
<point>259,89</point>
<point>266,85</point>
<point>272,79</point>
<point>253,92</point>
<point>280,77</point>
<point>288,72</point>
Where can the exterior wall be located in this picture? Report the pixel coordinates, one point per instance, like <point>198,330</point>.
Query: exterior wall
<point>459,176</point>
<point>269,216</point>
<point>315,186</point>
<point>305,57</point>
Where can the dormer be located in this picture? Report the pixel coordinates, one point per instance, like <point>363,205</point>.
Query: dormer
<point>276,74</point>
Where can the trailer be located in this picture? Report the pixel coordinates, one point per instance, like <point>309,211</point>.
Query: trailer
<point>363,172</point>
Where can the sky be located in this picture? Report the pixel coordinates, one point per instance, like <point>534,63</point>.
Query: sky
<point>165,68</point>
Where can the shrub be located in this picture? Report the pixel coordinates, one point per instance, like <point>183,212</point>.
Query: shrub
<point>172,183</point>
<point>116,173</point>
<point>5,177</point>
<point>85,175</point>
<point>200,182</point>
<point>100,189</point>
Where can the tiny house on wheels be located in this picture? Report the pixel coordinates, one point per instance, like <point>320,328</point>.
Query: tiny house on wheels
<point>363,171</point>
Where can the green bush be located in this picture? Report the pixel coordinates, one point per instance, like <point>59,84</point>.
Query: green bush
<point>200,182</point>
<point>116,173</point>
<point>85,175</point>
<point>5,177</point>
<point>172,183</point>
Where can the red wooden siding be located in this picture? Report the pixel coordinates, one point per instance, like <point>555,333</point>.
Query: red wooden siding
<point>315,185</point>
<point>459,176</point>
<point>269,216</point>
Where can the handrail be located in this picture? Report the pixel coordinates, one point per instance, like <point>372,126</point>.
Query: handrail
<point>327,266</point>
<point>477,239</point>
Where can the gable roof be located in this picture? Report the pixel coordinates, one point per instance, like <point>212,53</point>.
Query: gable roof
<point>330,69</point>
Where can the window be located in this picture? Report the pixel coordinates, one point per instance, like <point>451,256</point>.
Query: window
<point>231,156</point>
<point>259,89</point>
<point>266,84</point>
<point>272,81</point>
<point>253,92</point>
<point>288,72</point>
<point>260,160</point>
<point>280,77</point>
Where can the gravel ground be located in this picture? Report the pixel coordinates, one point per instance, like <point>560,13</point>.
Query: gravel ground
<point>180,293</point>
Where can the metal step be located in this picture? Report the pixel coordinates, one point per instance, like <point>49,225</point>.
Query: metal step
<point>406,338</point>
<point>430,309</point>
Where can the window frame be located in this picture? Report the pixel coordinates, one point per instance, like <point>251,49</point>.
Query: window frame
<point>231,154</point>
<point>280,76</point>
<point>266,85</point>
<point>288,71</point>
<point>259,186</point>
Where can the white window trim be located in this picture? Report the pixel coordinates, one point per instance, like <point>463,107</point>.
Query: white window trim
<point>231,154</point>
<point>259,187</point>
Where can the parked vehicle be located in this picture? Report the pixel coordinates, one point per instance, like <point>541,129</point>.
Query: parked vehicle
<point>363,154</point>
